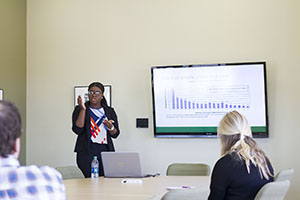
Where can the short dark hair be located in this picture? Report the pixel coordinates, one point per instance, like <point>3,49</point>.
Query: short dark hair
<point>10,127</point>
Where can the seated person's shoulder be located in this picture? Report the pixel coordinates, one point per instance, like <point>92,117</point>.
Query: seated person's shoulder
<point>229,160</point>
<point>26,182</point>
<point>50,170</point>
<point>43,173</point>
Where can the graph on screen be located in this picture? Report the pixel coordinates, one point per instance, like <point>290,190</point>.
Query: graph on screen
<point>214,98</point>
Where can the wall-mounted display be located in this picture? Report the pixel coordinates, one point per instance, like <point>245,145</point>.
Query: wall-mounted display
<point>190,100</point>
<point>83,92</point>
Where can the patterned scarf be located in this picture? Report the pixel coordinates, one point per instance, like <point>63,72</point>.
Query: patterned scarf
<point>98,130</point>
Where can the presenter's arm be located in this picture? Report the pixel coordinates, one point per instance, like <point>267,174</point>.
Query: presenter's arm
<point>78,117</point>
<point>112,123</point>
<point>81,116</point>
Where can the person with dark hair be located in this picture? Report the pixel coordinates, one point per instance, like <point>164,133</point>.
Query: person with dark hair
<point>95,124</point>
<point>23,182</point>
<point>243,167</point>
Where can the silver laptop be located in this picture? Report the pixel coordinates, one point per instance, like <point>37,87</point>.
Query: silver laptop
<point>121,164</point>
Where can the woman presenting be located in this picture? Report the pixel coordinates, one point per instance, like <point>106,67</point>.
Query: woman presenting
<point>95,123</point>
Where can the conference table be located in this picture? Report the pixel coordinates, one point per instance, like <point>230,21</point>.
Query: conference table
<point>144,188</point>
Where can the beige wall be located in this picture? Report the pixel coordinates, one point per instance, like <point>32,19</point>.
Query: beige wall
<point>116,42</point>
<point>13,58</point>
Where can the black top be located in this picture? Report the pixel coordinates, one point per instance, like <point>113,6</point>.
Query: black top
<point>83,142</point>
<point>231,181</point>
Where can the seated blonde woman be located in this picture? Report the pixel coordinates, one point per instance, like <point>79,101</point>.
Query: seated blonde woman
<point>243,167</point>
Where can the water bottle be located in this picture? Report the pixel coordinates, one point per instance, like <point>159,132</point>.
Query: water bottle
<point>95,168</point>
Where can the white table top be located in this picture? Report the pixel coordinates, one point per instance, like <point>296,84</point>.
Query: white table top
<point>113,188</point>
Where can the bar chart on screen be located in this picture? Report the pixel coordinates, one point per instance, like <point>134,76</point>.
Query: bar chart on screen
<point>218,98</point>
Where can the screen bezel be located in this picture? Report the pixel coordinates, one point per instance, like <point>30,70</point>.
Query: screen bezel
<point>213,133</point>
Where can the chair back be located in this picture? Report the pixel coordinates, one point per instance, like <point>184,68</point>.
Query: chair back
<point>70,172</point>
<point>188,169</point>
<point>284,175</point>
<point>187,194</point>
<point>273,191</point>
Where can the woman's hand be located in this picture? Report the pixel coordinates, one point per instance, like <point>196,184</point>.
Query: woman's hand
<point>108,123</point>
<point>81,103</point>
<point>110,127</point>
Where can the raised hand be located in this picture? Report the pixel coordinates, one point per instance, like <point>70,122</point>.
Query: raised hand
<point>81,103</point>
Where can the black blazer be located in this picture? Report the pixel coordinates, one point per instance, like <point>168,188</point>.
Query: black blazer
<point>230,179</point>
<point>84,134</point>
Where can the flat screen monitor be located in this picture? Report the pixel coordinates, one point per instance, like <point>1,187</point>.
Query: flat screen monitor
<point>190,100</point>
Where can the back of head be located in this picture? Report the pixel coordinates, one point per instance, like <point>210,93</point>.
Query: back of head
<point>234,123</point>
<point>10,127</point>
<point>236,136</point>
<point>232,130</point>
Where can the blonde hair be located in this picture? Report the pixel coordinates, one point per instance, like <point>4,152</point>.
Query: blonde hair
<point>236,136</point>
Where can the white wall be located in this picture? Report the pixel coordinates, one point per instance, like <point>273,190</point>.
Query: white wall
<point>116,42</point>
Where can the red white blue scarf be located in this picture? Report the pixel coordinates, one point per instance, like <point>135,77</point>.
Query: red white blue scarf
<point>98,130</point>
